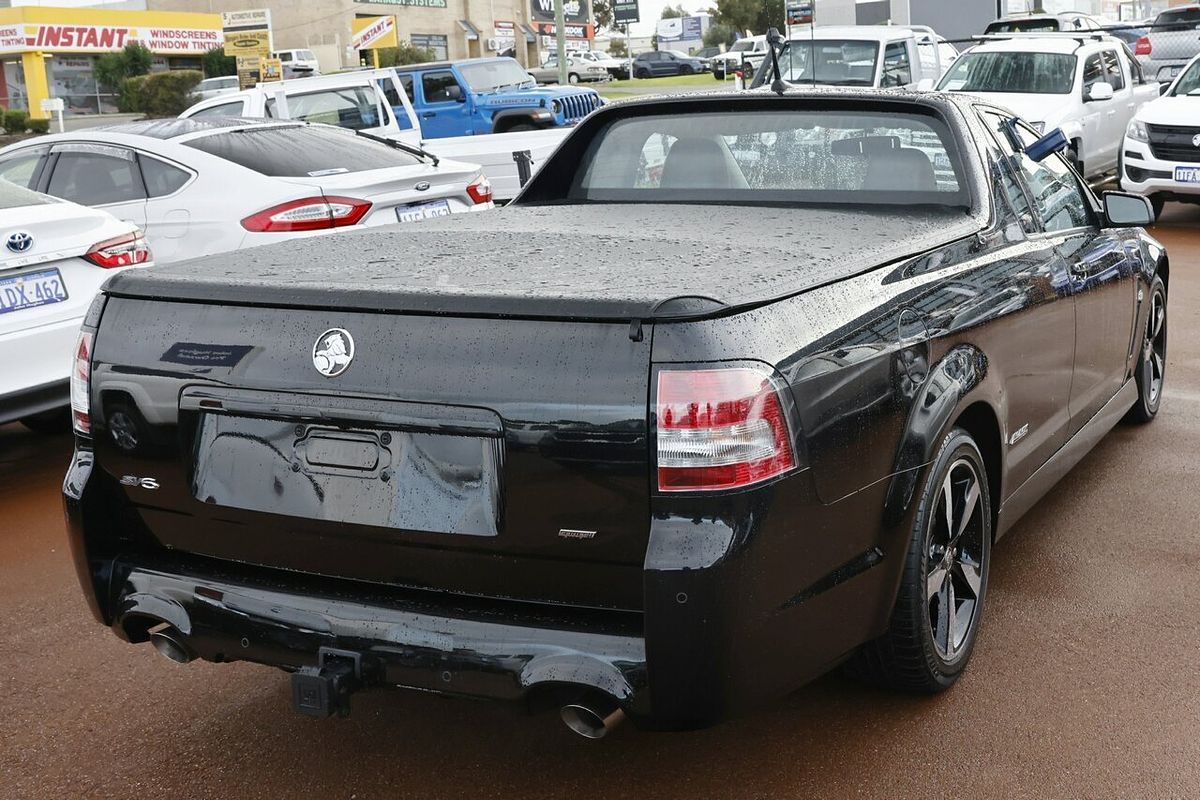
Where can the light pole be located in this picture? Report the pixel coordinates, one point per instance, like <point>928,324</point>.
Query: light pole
<point>560,33</point>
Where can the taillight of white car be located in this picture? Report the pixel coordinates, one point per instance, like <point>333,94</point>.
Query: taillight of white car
<point>721,428</point>
<point>129,250</point>
<point>308,214</point>
<point>480,190</point>
<point>81,379</point>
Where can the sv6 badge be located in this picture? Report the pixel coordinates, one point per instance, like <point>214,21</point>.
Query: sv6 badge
<point>144,483</point>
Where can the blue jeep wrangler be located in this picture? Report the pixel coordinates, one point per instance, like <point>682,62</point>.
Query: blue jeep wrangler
<point>488,95</point>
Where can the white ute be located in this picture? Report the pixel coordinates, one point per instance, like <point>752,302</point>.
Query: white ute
<point>1160,157</point>
<point>1086,84</point>
<point>888,56</point>
<point>54,256</point>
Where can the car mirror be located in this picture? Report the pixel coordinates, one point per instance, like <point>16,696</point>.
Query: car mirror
<point>1163,87</point>
<point>1099,91</point>
<point>925,85</point>
<point>1124,210</point>
<point>455,93</point>
<point>1052,142</point>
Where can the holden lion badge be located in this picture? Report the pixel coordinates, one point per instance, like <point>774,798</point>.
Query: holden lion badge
<point>333,352</point>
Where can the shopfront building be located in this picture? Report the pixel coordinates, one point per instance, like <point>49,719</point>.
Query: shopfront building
<point>52,52</point>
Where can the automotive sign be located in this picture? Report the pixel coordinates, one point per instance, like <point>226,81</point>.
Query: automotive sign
<point>800,12</point>
<point>248,43</point>
<point>371,32</point>
<point>625,12</point>
<point>106,38</point>
<point>573,10</point>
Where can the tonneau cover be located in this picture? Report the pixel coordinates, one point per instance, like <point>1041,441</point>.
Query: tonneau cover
<point>595,261</point>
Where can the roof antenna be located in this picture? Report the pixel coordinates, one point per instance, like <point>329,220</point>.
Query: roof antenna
<point>778,86</point>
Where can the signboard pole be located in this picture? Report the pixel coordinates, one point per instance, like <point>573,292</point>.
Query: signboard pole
<point>560,35</point>
<point>628,51</point>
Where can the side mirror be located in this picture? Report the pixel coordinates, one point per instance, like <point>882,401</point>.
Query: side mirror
<point>1163,87</point>
<point>455,93</point>
<point>925,85</point>
<point>773,37</point>
<point>1099,91</point>
<point>1052,142</point>
<point>1124,210</point>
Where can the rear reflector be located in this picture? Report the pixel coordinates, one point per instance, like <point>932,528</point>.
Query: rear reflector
<point>121,251</point>
<point>308,214</point>
<point>480,190</point>
<point>81,378</point>
<point>720,429</point>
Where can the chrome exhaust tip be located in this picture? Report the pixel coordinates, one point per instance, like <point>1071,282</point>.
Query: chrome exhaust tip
<point>592,719</point>
<point>171,645</point>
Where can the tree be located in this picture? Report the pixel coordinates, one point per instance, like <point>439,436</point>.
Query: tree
<point>404,54</point>
<point>602,13</point>
<point>215,63</point>
<point>618,48</point>
<point>718,34</point>
<point>673,12</point>
<point>112,68</point>
<point>752,15</point>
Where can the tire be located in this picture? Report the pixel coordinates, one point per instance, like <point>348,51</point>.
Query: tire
<point>925,650</point>
<point>719,75</point>
<point>50,423</point>
<point>1072,156</point>
<point>524,126</point>
<point>641,73</point>
<point>686,70</point>
<point>572,78</point>
<point>1151,370</point>
<point>1157,203</point>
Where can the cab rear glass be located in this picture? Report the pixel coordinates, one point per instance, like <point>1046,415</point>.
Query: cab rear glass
<point>299,152</point>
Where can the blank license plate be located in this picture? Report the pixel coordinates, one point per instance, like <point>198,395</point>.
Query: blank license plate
<point>31,289</point>
<point>438,208</point>
<point>1187,174</point>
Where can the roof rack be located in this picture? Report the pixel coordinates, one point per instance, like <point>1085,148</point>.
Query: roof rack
<point>1081,38</point>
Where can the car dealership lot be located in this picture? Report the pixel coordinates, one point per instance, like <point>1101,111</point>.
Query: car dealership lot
<point>1084,685</point>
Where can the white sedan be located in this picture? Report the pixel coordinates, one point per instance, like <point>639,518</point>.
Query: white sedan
<point>1160,157</point>
<point>54,256</point>
<point>202,186</point>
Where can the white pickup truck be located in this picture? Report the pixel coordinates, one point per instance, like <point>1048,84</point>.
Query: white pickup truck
<point>881,56</point>
<point>375,102</point>
<point>1089,85</point>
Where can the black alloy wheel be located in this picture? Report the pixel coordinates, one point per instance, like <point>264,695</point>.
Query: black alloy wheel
<point>686,70</point>
<point>939,607</point>
<point>1151,370</point>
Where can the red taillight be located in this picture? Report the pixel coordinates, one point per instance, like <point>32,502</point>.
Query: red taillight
<point>121,251</point>
<point>720,429</point>
<point>1143,46</point>
<point>309,214</point>
<point>480,190</point>
<point>81,378</point>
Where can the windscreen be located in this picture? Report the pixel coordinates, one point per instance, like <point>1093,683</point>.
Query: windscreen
<point>1018,73</point>
<point>830,62</point>
<point>301,152</point>
<point>774,157</point>
<point>1189,81</point>
<point>489,76</point>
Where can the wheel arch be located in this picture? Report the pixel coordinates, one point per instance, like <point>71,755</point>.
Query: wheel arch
<point>980,420</point>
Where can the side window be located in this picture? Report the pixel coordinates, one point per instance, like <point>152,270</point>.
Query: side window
<point>407,82</point>
<point>162,178</point>
<point>1093,72</point>
<point>436,86</point>
<point>285,56</point>
<point>353,107</point>
<point>223,110</point>
<point>22,166</point>
<point>94,179</point>
<point>1112,68</point>
<point>896,69</point>
<point>1058,199</point>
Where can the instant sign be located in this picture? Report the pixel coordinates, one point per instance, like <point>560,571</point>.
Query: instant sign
<point>368,33</point>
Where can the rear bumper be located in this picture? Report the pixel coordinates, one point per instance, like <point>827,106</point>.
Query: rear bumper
<point>34,400</point>
<point>37,364</point>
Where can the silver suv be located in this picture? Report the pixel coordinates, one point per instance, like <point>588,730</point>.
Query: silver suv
<point>1171,43</point>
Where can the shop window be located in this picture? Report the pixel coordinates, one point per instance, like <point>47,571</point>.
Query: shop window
<point>92,179</point>
<point>438,44</point>
<point>161,178</point>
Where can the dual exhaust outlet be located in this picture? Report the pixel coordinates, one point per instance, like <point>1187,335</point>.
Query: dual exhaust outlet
<point>592,716</point>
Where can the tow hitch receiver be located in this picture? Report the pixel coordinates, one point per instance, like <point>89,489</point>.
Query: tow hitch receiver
<point>325,689</point>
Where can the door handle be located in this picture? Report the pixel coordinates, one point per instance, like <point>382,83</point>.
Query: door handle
<point>428,114</point>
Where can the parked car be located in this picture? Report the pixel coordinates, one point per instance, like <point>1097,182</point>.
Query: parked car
<point>461,105</point>
<point>1066,21</point>
<point>215,87</point>
<point>674,494</point>
<point>198,187</point>
<point>1161,152</point>
<point>1171,43</point>
<point>299,61</point>
<point>1128,32</point>
<point>861,55</point>
<point>617,67</point>
<point>1089,86</point>
<point>660,63</point>
<point>750,50</point>
<point>54,258</point>
<point>578,69</point>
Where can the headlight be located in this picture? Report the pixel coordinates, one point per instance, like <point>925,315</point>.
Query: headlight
<point>557,106</point>
<point>1137,131</point>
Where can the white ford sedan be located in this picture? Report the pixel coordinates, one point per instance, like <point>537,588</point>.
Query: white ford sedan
<point>54,256</point>
<point>203,186</point>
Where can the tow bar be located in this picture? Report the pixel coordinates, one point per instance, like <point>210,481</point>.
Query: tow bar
<point>325,689</point>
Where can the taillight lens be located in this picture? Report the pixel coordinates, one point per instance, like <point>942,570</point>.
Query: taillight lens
<point>121,251</point>
<point>480,190</point>
<point>720,429</point>
<point>1142,47</point>
<point>308,214</point>
<point>81,380</point>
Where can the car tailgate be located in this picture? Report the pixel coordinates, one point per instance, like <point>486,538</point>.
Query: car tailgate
<point>463,454</point>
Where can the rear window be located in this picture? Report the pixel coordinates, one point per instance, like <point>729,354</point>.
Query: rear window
<point>1184,19</point>
<point>1023,26</point>
<point>301,152</point>
<point>13,196</point>
<point>773,157</point>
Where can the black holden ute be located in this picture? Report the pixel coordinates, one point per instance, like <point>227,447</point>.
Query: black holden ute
<point>741,388</point>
